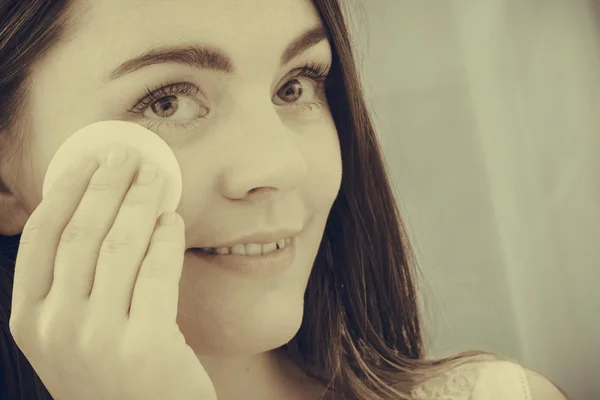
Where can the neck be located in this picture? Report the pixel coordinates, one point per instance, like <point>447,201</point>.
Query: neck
<point>265,376</point>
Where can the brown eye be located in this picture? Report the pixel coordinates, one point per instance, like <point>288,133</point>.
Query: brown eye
<point>165,107</point>
<point>175,108</point>
<point>298,92</point>
<point>292,91</point>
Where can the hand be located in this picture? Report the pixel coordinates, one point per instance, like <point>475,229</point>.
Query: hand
<point>96,290</point>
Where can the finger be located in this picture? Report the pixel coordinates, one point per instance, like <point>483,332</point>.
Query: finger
<point>125,246</point>
<point>34,267</point>
<point>82,238</point>
<point>156,292</point>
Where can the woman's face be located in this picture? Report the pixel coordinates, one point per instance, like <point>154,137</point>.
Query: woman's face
<point>255,152</point>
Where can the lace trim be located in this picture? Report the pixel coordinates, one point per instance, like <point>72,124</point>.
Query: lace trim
<point>456,384</point>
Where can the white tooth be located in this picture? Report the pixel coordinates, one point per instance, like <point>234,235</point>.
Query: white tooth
<point>268,248</point>
<point>239,249</point>
<point>223,250</point>
<point>253,249</point>
<point>281,243</point>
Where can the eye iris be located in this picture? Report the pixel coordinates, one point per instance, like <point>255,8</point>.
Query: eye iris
<point>166,106</point>
<point>293,88</point>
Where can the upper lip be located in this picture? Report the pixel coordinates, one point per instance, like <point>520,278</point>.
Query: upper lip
<point>264,237</point>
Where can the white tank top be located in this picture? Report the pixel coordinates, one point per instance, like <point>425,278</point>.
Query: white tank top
<point>485,380</point>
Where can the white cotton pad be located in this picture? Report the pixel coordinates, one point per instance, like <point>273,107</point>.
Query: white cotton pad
<point>96,139</point>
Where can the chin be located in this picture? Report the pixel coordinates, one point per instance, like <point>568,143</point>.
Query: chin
<point>253,332</point>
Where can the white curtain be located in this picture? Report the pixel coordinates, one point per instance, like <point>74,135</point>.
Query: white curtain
<point>488,113</point>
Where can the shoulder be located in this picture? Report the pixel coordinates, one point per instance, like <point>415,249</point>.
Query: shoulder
<point>541,387</point>
<point>490,380</point>
<point>530,384</point>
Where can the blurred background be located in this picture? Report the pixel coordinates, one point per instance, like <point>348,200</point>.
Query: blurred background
<point>488,115</point>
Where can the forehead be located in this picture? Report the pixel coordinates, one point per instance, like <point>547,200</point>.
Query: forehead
<point>180,19</point>
<point>108,31</point>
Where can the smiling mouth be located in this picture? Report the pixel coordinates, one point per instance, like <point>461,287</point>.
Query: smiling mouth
<point>255,264</point>
<point>250,249</point>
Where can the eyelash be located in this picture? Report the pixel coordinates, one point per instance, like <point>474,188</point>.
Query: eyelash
<point>318,72</point>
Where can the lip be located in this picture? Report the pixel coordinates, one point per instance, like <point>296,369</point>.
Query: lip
<point>258,266</point>
<point>259,238</point>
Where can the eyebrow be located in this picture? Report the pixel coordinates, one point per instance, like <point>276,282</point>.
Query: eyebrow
<point>211,58</point>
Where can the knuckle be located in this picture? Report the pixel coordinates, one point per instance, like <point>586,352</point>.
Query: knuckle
<point>118,243</point>
<point>96,185</point>
<point>52,330</point>
<point>37,225</point>
<point>75,232</point>
<point>154,269</point>
<point>56,333</point>
<point>31,231</point>
<point>135,202</point>
<point>63,185</point>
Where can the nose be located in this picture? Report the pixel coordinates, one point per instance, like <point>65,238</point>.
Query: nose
<point>263,165</point>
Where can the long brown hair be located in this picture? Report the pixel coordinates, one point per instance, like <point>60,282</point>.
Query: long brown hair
<point>361,334</point>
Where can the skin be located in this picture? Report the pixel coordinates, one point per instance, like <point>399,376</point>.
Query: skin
<point>253,161</point>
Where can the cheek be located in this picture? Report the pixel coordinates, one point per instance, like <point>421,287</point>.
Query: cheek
<point>323,188</point>
<point>45,137</point>
<point>325,171</point>
<point>198,187</point>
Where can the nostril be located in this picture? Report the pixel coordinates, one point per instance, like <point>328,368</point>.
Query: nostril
<point>261,192</point>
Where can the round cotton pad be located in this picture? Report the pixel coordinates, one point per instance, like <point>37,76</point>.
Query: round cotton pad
<point>101,135</point>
